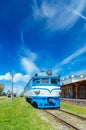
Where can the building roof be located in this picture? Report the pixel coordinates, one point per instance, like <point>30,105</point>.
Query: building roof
<point>73,83</point>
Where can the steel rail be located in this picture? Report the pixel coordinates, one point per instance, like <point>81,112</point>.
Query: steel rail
<point>62,121</point>
<point>83,118</point>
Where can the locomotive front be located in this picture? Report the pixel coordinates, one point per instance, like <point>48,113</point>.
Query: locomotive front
<point>45,90</point>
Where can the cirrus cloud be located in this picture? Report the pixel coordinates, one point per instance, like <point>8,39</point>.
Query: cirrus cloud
<point>29,66</point>
<point>74,55</point>
<point>54,13</point>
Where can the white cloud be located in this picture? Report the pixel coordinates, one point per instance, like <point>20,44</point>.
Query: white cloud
<point>36,10</point>
<point>76,13</point>
<point>79,72</point>
<point>49,9</point>
<point>7,76</point>
<point>31,55</point>
<point>59,14</point>
<point>16,77</point>
<point>26,52</point>
<point>27,61</point>
<point>74,55</point>
<point>29,66</point>
<point>20,77</point>
<point>56,69</point>
<point>79,14</point>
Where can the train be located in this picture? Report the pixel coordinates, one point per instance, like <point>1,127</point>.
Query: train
<point>43,90</point>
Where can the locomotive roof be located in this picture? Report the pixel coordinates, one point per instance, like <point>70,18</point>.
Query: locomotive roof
<point>45,74</point>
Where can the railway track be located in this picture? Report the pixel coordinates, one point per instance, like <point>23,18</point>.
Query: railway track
<point>82,118</point>
<point>73,123</point>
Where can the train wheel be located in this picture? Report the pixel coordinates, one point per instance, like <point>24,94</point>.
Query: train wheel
<point>26,99</point>
<point>35,104</point>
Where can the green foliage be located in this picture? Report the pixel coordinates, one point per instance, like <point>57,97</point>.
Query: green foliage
<point>20,115</point>
<point>4,94</point>
<point>1,88</point>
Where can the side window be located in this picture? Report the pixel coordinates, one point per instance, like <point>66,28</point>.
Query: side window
<point>54,81</point>
<point>36,81</point>
<point>44,80</point>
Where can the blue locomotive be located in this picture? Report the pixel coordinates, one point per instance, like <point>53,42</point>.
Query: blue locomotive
<point>43,90</point>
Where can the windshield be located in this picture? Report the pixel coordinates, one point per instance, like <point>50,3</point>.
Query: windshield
<point>45,80</point>
<point>54,81</point>
<point>36,81</point>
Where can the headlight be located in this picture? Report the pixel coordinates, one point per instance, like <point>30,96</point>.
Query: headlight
<point>37,92</point>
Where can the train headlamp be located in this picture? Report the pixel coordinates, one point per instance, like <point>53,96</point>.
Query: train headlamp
<point>37,92</point>
<point>49,72</point>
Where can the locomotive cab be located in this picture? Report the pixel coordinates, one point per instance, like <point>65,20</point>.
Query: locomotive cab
<point>43,90</point>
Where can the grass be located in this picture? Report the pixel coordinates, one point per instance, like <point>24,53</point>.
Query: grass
<point>19,115</point>
<point>74,109</point>
<point>2,97</point>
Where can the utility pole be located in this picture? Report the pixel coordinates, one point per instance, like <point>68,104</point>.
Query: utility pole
<point>12,96</point>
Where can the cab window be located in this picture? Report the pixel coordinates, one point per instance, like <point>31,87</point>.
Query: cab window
<point>45,80</point>
<point>53,81</point>
<point>36,81</point>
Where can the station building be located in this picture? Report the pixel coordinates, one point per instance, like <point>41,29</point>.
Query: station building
<point>74,87</point>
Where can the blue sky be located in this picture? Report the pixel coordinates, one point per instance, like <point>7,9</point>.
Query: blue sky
<point>39,35</point>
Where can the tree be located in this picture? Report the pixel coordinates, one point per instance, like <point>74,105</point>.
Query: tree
<point>4,94</point>
<point>1,88</point>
